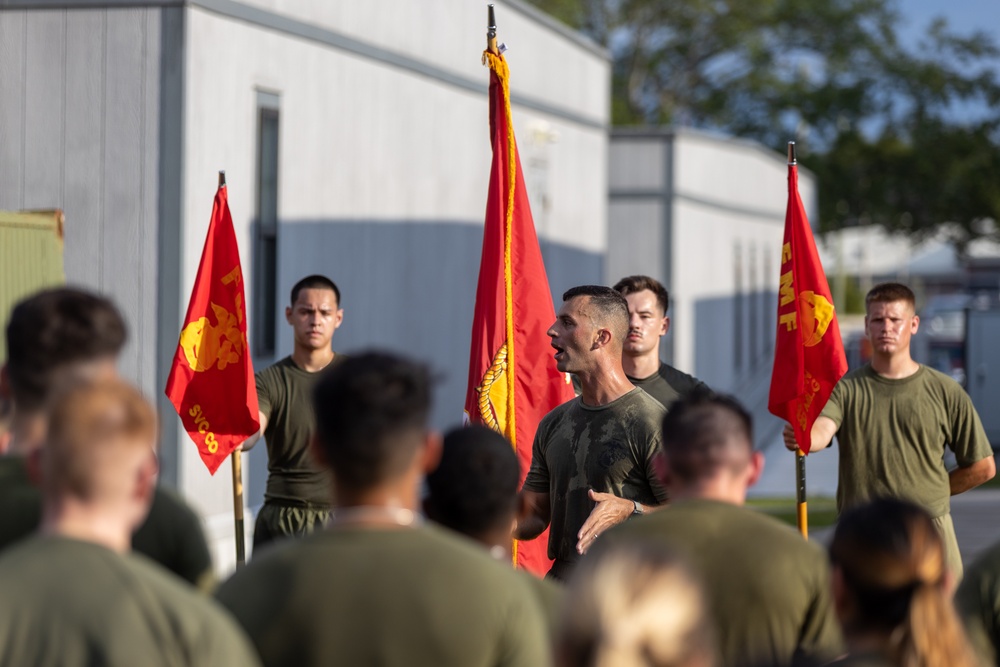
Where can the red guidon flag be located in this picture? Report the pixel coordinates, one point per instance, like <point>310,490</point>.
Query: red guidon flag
<point>808,353</point>
<point>211,381</point>
<point>513,380</point>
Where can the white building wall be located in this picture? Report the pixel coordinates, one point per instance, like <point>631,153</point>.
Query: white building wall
<point>383,172</point>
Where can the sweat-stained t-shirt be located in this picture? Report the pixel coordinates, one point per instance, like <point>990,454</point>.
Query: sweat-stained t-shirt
<point>284,394</point>
<point>72,603</point>
<point>609,449</point>
<point>349,595</point>
<point>768,589</point>
<point>668,385</point>
<point>893,435</point>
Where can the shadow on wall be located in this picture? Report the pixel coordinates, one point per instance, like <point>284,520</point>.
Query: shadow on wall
<point>734,352</point>
<point>408,286</point>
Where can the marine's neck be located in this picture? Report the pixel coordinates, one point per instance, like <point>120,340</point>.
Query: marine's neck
<point>642,366</point>
<point>88,523</point>
<point>312,360</point>
<point>720,490</point>
<point>604,383</point>
<point>389,505</point>
<point>895,367</point>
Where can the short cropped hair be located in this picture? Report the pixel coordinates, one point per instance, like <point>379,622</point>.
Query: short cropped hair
<point>632,284</point>
<point>52,330</point>
<point>888,293</point>
<point>315,281</point>
<point>700,433</point>
<point>474,488</point>
<point>369,408</point>
<point>611,307</point>
<point>89,425</point>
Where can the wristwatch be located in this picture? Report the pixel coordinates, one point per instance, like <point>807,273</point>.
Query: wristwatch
<point>637,509</point>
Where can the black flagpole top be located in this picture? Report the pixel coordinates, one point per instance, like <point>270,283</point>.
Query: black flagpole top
<point>491,32</point>
<point>791,152</point>
<point>222,178</point>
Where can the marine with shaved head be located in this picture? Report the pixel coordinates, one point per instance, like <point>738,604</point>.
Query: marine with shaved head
<point>592,459</point>
<point>768,589</point>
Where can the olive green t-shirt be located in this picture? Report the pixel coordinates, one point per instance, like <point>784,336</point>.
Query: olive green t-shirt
<point>893,435</point>
<point>609,449</point>
<point>668,385</point>
<point>284,394</point>
<point>768,589</point>
<point>978,603</point>
<point>71,603</point>
<point>171,535</point>
<point>388,597</point>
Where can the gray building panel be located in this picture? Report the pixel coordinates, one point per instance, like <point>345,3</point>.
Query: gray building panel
<point>44,58</point>
<point>12,62</point>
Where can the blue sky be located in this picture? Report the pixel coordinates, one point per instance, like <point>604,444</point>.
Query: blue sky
<point>963,16</point>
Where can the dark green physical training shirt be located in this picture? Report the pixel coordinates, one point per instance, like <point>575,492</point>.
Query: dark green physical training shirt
<point>978,603</point>
<point>893,435</point>
<point>389,597</point>
<point>609,449</point>
<point>284,394</point>
<point>668,385</point>
<point>71,603</point>
<point>768,589</point>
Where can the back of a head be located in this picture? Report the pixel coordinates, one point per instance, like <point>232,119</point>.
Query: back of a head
<point>706,434</point>
<point>51,333</point>
<point>474,488</point>
<point>632,284</point>
<point>371,414</point>
<point>889,293</point>
<point>96,432</point>
<point>634,605</point>
<point>607,308</point>
<point>891,560</point>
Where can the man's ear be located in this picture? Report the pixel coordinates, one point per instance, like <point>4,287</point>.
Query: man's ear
<point>756,468</point>
<point>288,314</point>
<point>339,318</point>
<point>665,327</point>
<point>602,337</point>
<point>915,324</point>
<point>430,452</point>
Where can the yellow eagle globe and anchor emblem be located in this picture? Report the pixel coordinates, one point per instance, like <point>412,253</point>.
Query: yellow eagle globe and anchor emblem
<point>816,316</point>
<point>206,345</point>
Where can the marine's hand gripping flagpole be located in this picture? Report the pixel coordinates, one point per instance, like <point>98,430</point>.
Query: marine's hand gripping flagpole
<point>809,355</point>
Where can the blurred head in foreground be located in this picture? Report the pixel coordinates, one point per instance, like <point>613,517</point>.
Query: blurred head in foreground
<point>634,605</point>
<point>891,588</point>
<point>98,465</point>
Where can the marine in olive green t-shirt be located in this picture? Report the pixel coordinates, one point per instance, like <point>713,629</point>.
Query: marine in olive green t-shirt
<point>171,534</point>
<point>609,449</point>
<point>768,589</point>
<point>350,595</point>
<point>978,603</point>
<point>893,435</point>
<point>75,604</point>
<point>668,384</point>
<point>284,395</point>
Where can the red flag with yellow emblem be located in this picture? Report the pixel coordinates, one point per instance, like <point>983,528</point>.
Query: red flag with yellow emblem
<point>513,380</point>
<point>211,382</point>
<point>809,355</point>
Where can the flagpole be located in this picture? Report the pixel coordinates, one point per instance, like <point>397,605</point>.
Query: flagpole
<point>491,31</point>
<point>802,511</point>
<point>237,466</point>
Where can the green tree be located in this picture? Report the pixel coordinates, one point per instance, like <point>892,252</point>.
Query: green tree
<point>905,138</point>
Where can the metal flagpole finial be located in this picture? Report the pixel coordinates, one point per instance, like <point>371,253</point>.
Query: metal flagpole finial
<point>222,178</point>
<point>491,31</point>
<point>791,152</point>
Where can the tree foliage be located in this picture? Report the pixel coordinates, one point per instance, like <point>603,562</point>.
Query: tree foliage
<point>902,137</point>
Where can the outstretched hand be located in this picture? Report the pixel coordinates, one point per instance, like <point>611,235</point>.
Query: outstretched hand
<point>609,511</point>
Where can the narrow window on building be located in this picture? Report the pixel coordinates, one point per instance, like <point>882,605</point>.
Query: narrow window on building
<point>738,329</point>
<point>266,271</point>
